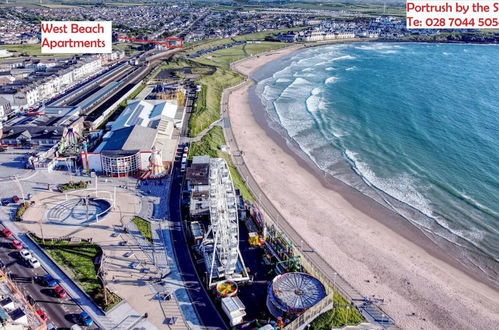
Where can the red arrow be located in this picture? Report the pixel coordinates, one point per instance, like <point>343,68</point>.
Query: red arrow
<point>166,42</point>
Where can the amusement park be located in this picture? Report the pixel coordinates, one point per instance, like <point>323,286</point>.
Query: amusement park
<point>254,273</point>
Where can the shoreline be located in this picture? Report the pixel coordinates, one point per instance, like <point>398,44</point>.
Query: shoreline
<point>378,218</point>
<point>430,242</point>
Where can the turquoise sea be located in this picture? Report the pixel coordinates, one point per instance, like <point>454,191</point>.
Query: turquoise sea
<point>413,126</point>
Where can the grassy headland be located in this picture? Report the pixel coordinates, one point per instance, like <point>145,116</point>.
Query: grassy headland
<point>341,315</point>
<point>207,109</point>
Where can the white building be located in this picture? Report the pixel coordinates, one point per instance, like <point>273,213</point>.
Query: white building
<point>4,53</point>
<point>5,108</point>
<point>234,309</point>
<point>43,89</point>
<point>144,126</point>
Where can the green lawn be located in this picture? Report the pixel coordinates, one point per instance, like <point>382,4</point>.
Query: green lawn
<point>203,44</point>
<point>28,49</point>
<point>207,108</point>
<point>208,105</point>
<point>178,63</point>
<point>342,315</point>
<point>373,9</point>
<point>210,145</point>
<point>128,47</point>
<point>224,57</point>
<point>263,34</point>
<point>144,227</point>
<point>78,259</point>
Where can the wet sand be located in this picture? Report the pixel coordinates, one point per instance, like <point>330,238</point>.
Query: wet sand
<point>376,250</point>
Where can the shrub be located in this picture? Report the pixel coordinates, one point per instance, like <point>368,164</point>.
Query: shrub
<point>73,185</point>
<point>20,210</point>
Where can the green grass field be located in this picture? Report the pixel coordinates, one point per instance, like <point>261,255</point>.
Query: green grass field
<point>341,315</point>
<point>373,9</point>
<point>29,49</point>
<point>79,260</point>
<point>207,108</point>
<point>224,57</point>
<point>208,105</point>
<point>128,47</point>
<point>144,227</point>
<point>198,45</point>
<point>210,145</point>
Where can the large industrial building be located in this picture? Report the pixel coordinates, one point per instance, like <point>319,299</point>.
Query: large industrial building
<point>142,141</point>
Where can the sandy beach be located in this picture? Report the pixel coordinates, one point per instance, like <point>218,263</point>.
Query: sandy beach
<point>367,244</point>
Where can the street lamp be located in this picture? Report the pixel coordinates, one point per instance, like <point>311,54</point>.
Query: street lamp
<point>20,186</point>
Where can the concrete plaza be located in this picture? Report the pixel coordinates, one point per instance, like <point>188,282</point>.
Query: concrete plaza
<point>129,271</point>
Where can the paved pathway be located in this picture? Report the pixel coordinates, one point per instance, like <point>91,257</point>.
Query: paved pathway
<point>155,207</point>
<point>120,277</point>
<point>203,132</point>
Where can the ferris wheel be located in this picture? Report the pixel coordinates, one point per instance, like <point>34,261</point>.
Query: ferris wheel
<point>222,246</point>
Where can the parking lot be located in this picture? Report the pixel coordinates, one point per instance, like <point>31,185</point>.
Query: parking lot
<point>62,312</point>
<point>13,162</point>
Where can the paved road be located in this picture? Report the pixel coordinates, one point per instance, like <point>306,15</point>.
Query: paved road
<point>61,312</point>
<point>207,312</point>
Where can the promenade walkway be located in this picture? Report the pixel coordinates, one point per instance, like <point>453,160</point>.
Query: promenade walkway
<point>155,197</point>
<point>117,318</point>
<point>129,271</point>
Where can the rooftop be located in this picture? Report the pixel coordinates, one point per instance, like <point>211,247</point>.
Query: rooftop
<point>146,113</point>
<point>198,174</point>
<point>128,139</point>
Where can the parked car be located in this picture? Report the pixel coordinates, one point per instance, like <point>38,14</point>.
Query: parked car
<point>48,280</point>
<point>60,292</point>
<point>6,232</point>
<point>42,315</point>
<point>31,300</point>
<point>33,262</point>
<point>25,254</point>
<point>5,201</point>
<point>15,199</point>
<point>17,244</point>
<point>85,319</point>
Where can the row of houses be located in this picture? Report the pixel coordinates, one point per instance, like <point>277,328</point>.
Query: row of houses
<point>38,85</point>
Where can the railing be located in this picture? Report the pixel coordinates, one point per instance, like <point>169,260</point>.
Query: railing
<point>325,304</point>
